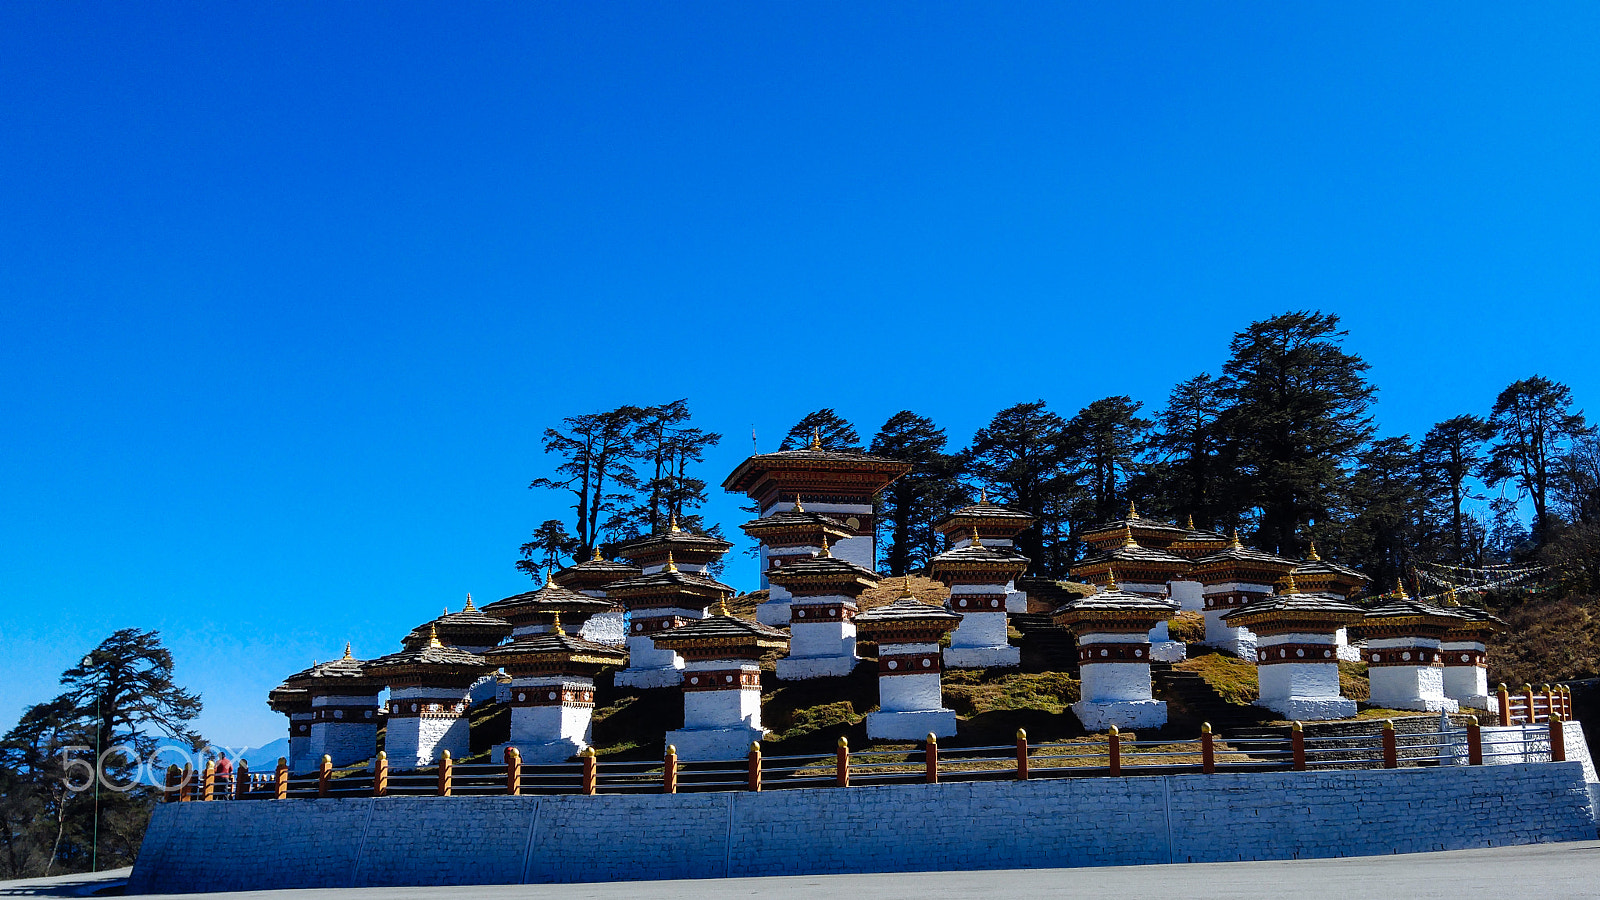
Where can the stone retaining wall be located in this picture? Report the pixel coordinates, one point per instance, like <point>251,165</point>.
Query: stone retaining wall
<point>261,845</point>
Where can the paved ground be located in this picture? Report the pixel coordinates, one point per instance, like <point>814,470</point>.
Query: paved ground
<point>1543,871</point>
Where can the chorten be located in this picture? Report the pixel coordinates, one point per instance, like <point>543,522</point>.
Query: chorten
<point>1404,665</point>
<point>1152,534</point>
<point>823,591</point>
<point>659,602</point>
<point>999,527</point>
<point>1195,543</point>
<point>1231,578</point>
<point>471,629</point>
<point>592,577</point>
<point>689,551</point>
<point>1113,630</point>
<point>1143,570</point>
<point>534,612</point>
<point>910,696</point>
<point>839,484</point>
<point>1297,653</point>
<point>1319,576</point>
<point>429,695</point>
<point>787,536</point>
<point>295,702</point>
<point>552,685</point>
<point>979,577</point>
<point>344,710</point>
<point>721,684</point>
<point>1464,650</point>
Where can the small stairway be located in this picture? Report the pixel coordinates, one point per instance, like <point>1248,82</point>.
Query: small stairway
<point>1227,719</point>
<point>1046,647</point>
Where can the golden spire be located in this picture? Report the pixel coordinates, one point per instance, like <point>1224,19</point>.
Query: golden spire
<point>671,566</point>
<point>1133,511</point>
<point>673,525</point>
<point>1189,522</point>
<point>347,650</point>
<point>1127,535</point>
<point>1111,579</point>
<point>797,505</point>
<point>1400,588</point>
<point>433,636</point>
<point>976,540</point>
<point>1236,545</point>
<point>1450,598</point>
<point>983,495</point>
<point>1313,554</point>
<point>596,557</point>
<point>1289,587</point>
<point>722,605</point>
<point>548,574</point>
<point>469,607</point>
<point>555,622</point>
<point>816,437</point>
<point>905,588</point>
<point>825,552</point>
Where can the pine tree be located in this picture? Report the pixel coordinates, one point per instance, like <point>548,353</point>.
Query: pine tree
<point>1386,497</point>
<point>550,544</point>
<point>1451,452</point>
<point>1296,416</point>
<point>597,451</point>
<point>1102,443</point>
<point>917,501</point>
<point>831,430</point>
<point>1020,456</point>
<point>667,446</point>
<point>1188,476</point>
<point>1533,422</point>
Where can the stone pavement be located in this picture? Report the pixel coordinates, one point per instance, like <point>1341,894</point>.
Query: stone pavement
<point>1545,871</point>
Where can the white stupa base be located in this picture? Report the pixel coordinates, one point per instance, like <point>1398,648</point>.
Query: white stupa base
<point>774,613</point>
<point>804,668</point>
<point>714,744</point>
<point>982,657</point>
<point>665,676</point>
<point>1348,653</point>
<point>1303,709</point>
<point>910,725</point>
<point>1168,651</point>
<point>545,754</point>
<point>1421,704</point>
<point>1243,647</point>
<point>1485,702</point>
<point>1016,602</point>
<point>1121,713</point>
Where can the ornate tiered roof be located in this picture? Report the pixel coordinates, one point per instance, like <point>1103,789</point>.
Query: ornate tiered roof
<point>1138,564</point>
<point>287,699</point>
<point>1150,533</point>
<point>1476,624</point>
<point>556,653</point>
<point>977,561</point>
<point>984,517</point>
<point>795,527</point>
<point>1198,542</point>
<point>1401,616</point>
<point>346,671</point>
<point>812,471</point>
<point>906,621</point>
<point>1317,575</point>
<point>823,573</point>
<point>594,574</point>
<point>722,636</point>
<point>669,587</point>
<point>1292,611</point>
<point>1115,609</point>
<point>684,546</point>
<point>537,607</point>
<point>1237,561</point>
<point>471,627</point>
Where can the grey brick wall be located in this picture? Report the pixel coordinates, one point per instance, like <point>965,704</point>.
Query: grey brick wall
<point>888,828</point>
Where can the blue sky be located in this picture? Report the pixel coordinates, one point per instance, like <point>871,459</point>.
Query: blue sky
<point>288,292</point>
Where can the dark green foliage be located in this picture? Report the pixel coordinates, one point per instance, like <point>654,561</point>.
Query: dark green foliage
<point>917,501</point>
<point>831,431</point>
<point>1386,503</point>
<point>1451,453</point>
<point>1533,422</point>
<point>1103,444</point>
<point>549,545</point>
<point>1187,473</point>
<point>1021,458</point>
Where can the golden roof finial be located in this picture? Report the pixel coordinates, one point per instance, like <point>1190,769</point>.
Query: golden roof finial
<point>433,636</point>
<point>1313,554</point>
<point>1188,522</point>
<point>347,650</point>
<point>816,437</point>
<point>976,540</point>
<point>1127,536</point>
<point>1289,587</point>
<point>555,622</point>
<point>905,588</point>
<point>1237,544</point>
<point>1400,588</point>
<point>1111,579</point>
<point>596,557</point>
<point>1450,598</point>
<point>825,552</point>
<point>673,525</point>
<point>549,578</point>
<point>1133,511</point>
<point>722,605</point>
<point>798,507</point>
<point>983,495</point>
<point>671,565</point>
<point>469,607</point>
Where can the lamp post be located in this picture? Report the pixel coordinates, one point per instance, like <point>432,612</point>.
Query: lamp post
<point>94,847</point>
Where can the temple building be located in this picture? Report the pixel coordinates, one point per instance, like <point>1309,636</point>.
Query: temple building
<point>552,680</point>
<point>910,693</point>
<point>1297,653</point>
<point>295,702</point>
<point>1318,576</point>
<point>592,577</point>
<point>472,630</point>
<point>980,578</point>
<point>999,527</point>
<point>1233,577</point>
<point>721,684</point>
<point>788,536</point>
<point>344,710</point>
<point>1405,667</point>
<point>1113,630</point>
<point>1144,570</point>
<point>839,484</point>
<point>1195,543</point>
<point>686,550</point>
<point>534,612</point>
<point>657,602</point>
<point>430,689</point>
<point>823,591</point>
<point>1465,653</point>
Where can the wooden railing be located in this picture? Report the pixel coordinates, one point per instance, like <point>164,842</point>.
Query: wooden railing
<point>1530,707</point>
<point>1116,755</point>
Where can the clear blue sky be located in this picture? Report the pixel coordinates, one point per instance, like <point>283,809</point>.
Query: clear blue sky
<point>288,291</point>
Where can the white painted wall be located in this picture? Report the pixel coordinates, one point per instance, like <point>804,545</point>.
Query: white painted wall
<point>724,708</point>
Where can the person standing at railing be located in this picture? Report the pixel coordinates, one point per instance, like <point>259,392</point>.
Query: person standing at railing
<point>224,776</point>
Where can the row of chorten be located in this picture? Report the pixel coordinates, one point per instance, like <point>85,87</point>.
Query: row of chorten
<point>817,560</point>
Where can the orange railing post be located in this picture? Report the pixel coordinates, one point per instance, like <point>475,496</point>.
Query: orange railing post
<point>1022,755</point>
<point>380,775</point>
<point>754,782</point>
<point>930,758</point>
<point>1527,696</point>
<point>446,773</point>
<point>1558,739</point>
<point>513,758</point>
<point>280,780</point>
<point>1297,746</point>
<point>186,786</point>
<point>591,772</point>
<point>1549,700</point>
<point>841,763</point>
<point>669,771</point>
<point>170,795</point>
<point>1208,749</point>
<point>1114,751</point>
<point>1474,743</point>
<point>208,784</point>
<point>1391,753</point>
<point>1505,705</point>
<point>324,775</point>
